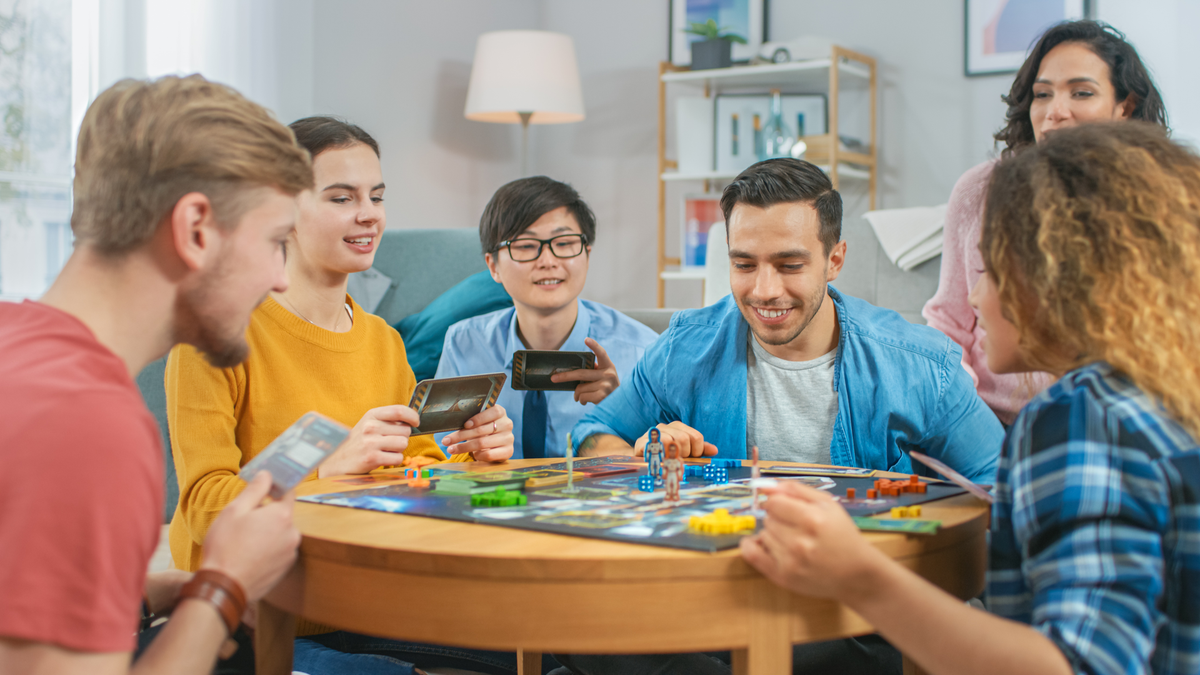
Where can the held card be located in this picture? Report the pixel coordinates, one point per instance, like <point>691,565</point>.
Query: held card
<point>296,452</point>
<point>532,368</point>
<point>447,404</point>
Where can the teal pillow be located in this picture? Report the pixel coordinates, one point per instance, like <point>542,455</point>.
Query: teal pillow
<point>425,332</point>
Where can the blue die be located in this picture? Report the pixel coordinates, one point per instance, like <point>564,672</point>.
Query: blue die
<point>716,474</point>
<point>646,483</point>
<point>725,463</point>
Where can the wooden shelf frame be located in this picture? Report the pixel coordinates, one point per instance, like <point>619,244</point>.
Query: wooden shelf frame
<point>823,150</point>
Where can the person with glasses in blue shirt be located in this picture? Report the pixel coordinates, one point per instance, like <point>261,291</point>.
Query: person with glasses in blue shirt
<point>537,236</point>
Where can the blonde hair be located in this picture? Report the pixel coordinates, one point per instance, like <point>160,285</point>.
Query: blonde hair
<point>1093,240</point>
<point>145,144</point>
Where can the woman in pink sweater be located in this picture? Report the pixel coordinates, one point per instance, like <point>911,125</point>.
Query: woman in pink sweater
<point>1079,72</point>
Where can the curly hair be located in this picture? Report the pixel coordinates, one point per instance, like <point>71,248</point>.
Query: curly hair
<point>1092,238</point>
<point>1128,74</point>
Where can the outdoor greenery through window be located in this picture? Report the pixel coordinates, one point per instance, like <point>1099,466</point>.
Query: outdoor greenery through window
<point>35,144</point>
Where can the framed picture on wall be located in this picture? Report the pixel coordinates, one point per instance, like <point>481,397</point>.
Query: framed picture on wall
<point>747,18</point>
<point>700,212</point>
<point>998,33</point>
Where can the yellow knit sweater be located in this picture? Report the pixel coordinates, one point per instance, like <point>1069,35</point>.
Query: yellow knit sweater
<point>220,419</point>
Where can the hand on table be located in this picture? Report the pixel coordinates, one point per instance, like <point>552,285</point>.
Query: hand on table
<point>251,541</point>
<point>595,383</point>
<point>809,544</point>
<point>379,439</point>
<point>691,442</point>
<point>487,436</point>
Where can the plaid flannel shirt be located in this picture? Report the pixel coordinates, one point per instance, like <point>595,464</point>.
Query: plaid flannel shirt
<point>1096,527</point>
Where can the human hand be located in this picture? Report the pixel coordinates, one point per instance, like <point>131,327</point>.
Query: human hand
<point>379,439</point>
<point>691,443</point>
<point>162,590</point>
<point>252,542</point>
<point>810,545</point>
<point>487,436</point>
<point>595,383</point>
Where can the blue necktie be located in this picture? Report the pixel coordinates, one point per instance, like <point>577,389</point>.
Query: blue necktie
<point>533,425</point>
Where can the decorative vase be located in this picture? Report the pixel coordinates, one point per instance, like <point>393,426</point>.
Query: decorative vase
<point>778,138</point>
<point>708,54</point>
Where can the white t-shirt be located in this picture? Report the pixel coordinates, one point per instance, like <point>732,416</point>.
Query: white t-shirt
<point>790,406</point>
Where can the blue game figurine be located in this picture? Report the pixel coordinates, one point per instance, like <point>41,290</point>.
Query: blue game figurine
<point>654,456</point>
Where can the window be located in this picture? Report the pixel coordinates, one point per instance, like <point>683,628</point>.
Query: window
<point>35,143</point>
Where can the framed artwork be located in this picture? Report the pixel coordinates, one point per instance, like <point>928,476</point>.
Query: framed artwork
<point>700,212</point>
<point>736,141</point>
<point>998,33</point>
<point>747,18</point>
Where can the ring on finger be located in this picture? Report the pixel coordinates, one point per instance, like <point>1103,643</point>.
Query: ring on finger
<point>493,427</point>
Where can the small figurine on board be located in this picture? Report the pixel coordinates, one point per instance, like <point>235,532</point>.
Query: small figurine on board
<point>654,456</point>
<point>570,467</point>
<point>673,470</point>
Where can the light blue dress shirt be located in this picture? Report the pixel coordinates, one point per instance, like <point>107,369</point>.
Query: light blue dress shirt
<point>485,344</point>
<point>899,386</point>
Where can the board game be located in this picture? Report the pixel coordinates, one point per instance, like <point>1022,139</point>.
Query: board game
<point>606,501</point>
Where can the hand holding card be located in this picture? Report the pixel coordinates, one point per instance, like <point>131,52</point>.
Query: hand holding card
<point>296,452</point>
<point>447,404</point>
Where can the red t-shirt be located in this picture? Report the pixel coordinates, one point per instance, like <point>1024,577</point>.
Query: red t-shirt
<point>81,485</point>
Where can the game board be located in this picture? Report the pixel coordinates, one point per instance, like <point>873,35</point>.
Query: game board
<point>611,507</point>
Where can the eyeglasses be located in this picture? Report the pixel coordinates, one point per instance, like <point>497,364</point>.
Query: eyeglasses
<point>526,249</point>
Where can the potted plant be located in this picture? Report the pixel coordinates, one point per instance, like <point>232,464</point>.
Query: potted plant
<point>715,50</point>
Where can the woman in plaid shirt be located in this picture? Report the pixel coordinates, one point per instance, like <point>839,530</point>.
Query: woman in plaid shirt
<point>1091,244</point>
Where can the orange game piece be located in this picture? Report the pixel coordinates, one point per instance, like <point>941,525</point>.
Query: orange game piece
<point>871,493</point>
<point>849,493</point>
<point>921,488</point>
<point>913,479</point>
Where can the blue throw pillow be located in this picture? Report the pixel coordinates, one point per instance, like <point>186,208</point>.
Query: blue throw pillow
<point>425,332</point>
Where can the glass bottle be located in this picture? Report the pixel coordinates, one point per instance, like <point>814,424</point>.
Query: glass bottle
<point>778,138</point>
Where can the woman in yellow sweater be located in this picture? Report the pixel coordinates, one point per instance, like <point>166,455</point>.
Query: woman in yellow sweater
<point>311,348</point>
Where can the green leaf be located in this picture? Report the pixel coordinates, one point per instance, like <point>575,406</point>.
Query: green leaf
<point>734,37</point>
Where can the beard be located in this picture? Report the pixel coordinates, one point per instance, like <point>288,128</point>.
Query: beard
<point>813,302</point>
<point>204,320</point>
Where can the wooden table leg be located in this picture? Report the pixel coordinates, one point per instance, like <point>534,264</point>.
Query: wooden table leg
<point>770,648</point>
<point>529,663</point>
<point>274,640</point>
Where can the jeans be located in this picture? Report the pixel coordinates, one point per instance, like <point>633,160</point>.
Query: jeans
<point>344,652</point>
<point>866,655</point>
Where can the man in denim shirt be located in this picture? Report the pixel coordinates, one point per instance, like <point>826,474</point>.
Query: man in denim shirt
<point>800,370</point>
<point>839,380</point>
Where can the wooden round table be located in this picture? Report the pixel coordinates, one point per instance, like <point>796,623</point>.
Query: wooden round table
<point>488,587</point>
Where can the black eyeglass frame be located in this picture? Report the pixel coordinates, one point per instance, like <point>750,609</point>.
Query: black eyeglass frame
<point>542,243</point>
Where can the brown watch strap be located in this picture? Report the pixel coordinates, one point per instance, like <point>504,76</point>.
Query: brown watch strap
<point>222,591</point>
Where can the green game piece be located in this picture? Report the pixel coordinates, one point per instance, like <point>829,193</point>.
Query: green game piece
<point>906,526</point>
<point>498,497</point>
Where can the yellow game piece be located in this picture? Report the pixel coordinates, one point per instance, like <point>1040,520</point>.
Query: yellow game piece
<point>906,511</point>
<point>899,511</point>
<point>720,522</point>
<point>914,511</point>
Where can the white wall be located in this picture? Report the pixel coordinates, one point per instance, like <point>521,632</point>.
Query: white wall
<point>400,70</point>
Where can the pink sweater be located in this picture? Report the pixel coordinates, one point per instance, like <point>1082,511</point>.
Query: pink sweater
<point>950,312</point>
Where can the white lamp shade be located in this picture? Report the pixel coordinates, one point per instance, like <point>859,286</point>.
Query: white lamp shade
<point>524,71</point>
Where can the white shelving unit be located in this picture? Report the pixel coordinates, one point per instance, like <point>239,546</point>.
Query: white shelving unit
<point>813,76</point>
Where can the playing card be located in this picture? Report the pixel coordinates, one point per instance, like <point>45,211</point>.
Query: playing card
<point>532,368</point>
<point>446,405</point>
<point>296,452</point>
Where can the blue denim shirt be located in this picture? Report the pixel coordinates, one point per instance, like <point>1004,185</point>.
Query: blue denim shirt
<point>899,386</point>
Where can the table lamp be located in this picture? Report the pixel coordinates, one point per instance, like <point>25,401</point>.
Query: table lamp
<point>525,76</point>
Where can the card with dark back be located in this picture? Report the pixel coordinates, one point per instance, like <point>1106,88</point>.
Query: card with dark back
<point>447,404</point>
<point>532,368</point>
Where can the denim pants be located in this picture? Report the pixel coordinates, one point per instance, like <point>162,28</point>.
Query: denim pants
<point>344,652</point>
<point>866,655</point>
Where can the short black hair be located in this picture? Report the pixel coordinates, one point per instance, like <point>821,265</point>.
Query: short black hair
<point>519,204</point>
<point>320,133</point>
<point>783,180</point>
<point>1130,78</point>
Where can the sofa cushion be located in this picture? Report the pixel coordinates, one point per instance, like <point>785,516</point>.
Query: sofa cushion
<point>425,332</point>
